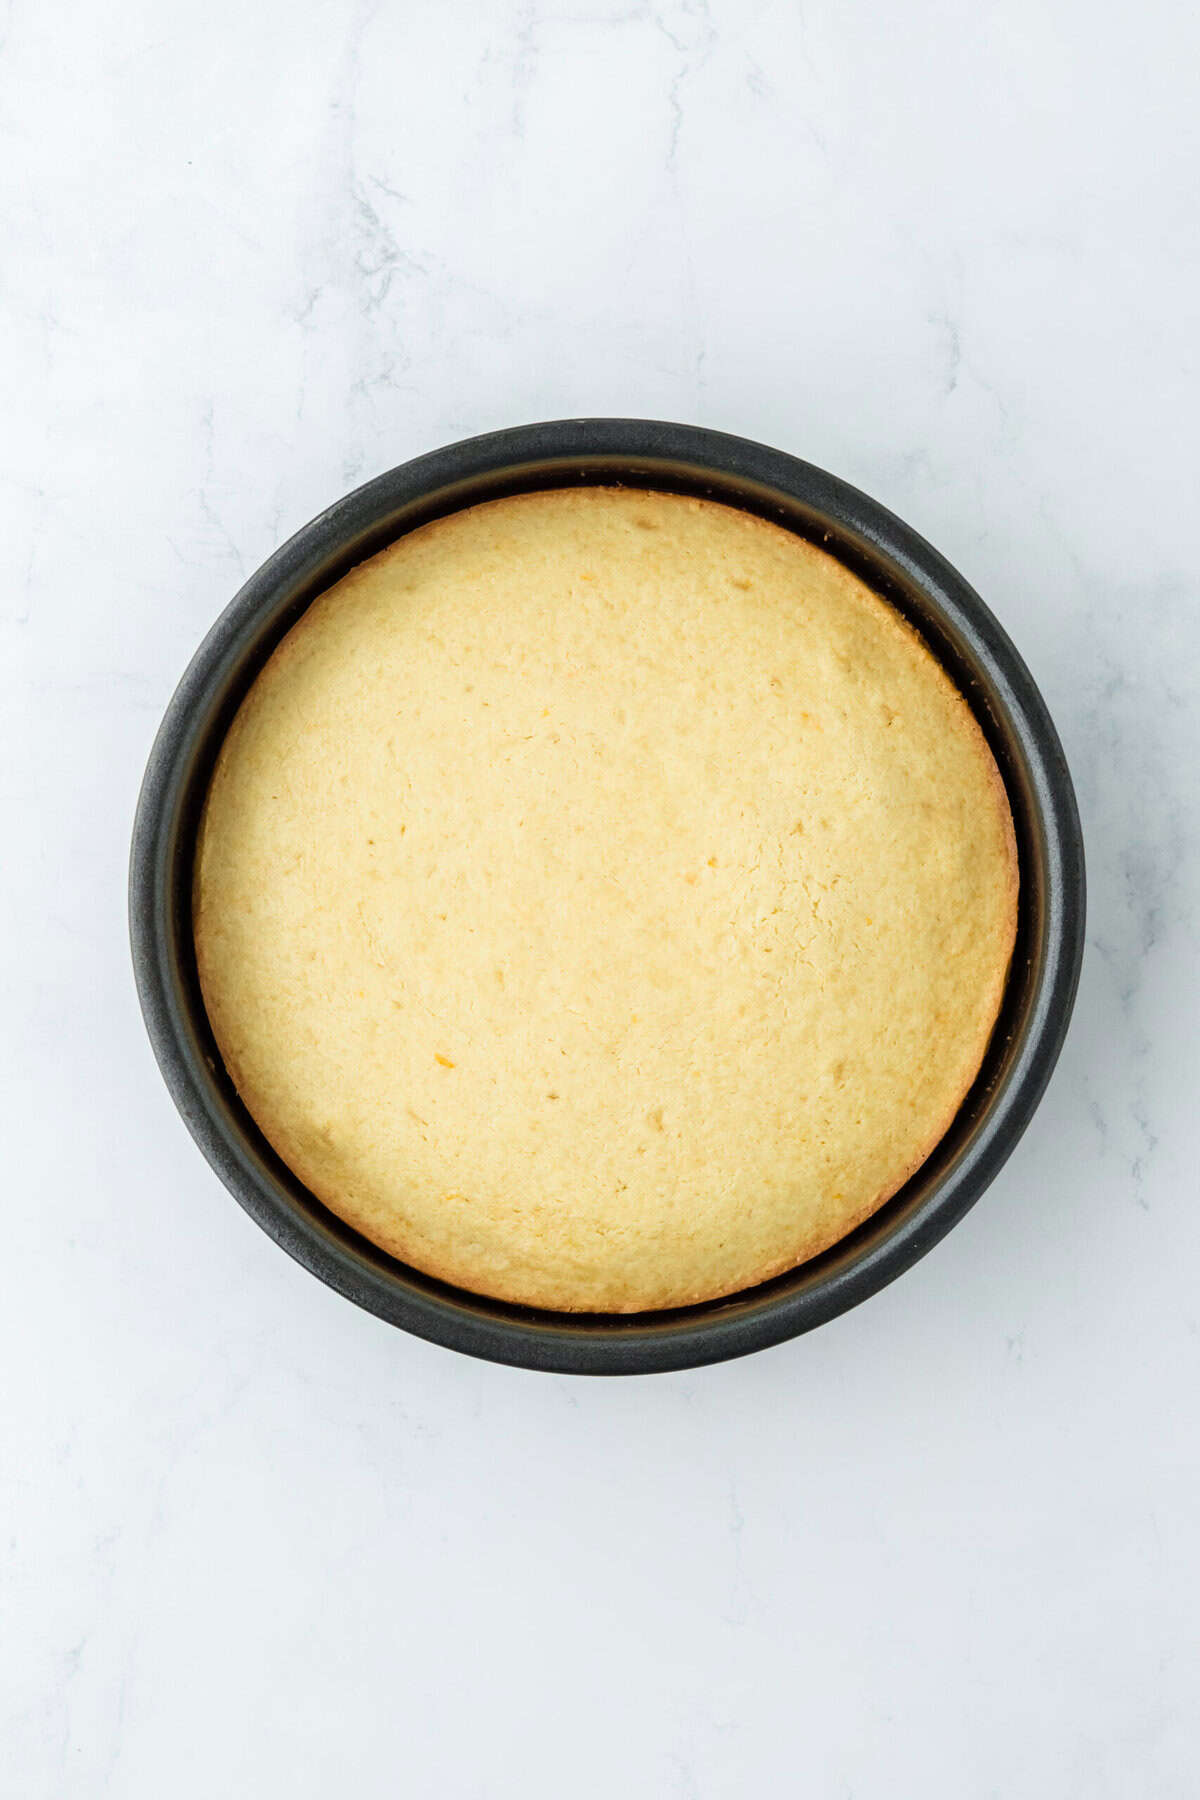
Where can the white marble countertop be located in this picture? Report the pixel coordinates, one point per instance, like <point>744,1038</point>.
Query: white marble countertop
<point>255,1542</point>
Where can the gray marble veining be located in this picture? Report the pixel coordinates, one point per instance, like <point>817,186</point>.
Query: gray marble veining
<point>255,1542</point>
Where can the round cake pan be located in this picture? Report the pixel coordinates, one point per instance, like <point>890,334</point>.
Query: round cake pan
<point>899,565</point>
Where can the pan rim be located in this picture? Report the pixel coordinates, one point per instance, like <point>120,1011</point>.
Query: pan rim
<point>959,627</point>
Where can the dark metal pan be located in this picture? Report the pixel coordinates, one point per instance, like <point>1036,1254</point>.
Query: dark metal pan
<point>899,565</point>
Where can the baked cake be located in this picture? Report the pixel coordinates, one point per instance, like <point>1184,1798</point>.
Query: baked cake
<point>604,899</point>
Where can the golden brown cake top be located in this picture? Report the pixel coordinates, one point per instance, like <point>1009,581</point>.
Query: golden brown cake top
<point>604,899</point>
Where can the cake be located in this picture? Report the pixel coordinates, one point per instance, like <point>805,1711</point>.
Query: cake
<point>603,899</point>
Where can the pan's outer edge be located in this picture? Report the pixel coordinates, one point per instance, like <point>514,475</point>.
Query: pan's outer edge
<point>651,452</point>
